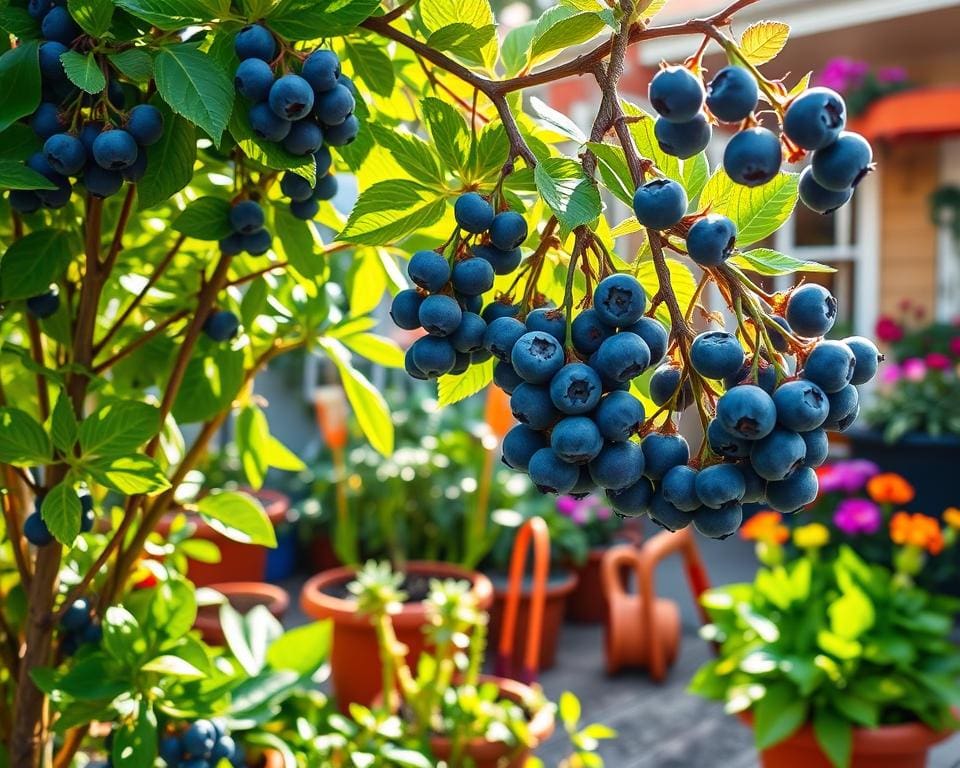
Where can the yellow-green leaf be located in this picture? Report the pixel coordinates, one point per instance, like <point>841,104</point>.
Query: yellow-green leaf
<point>762,41</point>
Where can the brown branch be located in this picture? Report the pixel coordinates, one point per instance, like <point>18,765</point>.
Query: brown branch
<point>71,745</point>
<point>9,501</point>
<point>36,352</point>
<point>142,339</point>
<point>117,245</point>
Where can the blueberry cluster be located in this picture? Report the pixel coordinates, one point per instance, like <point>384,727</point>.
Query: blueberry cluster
<point>36,531</point>
<point>448,299</point>
<point>306,113</point>
<point>77,627</point>
<point>250,235</point>
<point>813,121</point>
<point>202,744</point>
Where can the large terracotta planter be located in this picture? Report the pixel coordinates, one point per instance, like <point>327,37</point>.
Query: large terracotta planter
<point>890,746</point>
<point>559,587</point>
<point>243,596</point>
<point>355,657</point>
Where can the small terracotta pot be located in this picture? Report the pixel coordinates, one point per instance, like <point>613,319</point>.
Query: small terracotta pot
<point>243,596</point>
<point>355,657</point>
<point>272,759</point>
<point>553,612</point>
<point>889,746</point>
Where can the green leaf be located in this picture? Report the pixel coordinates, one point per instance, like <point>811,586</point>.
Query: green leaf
<point>569,710</point>
<point>63,424</point>
<point>371,65</point>
<point>15,175</point>
<point>118,428</point>
<point>298,240</point>
<point>390,210</point>
<point>463,40</point>
<point>195,86</point>
<point>442,14</point>
<point>302,650</point>
<point>405,758</point>
<point>135,745</point>
<point>448,131</point>
<point>757,211</point>
<point>24,440</point>
<point>766,261</point>
<point>210,384</point>
<point>309,19</point>
<point>169,161</point>
<point>557,121</point>
<point>173,666</point>
<point>239,517</point>
<point>647,145</point>
<point>779,714</point>
<point>92,15</point>
<point>834,735</point>
<point>573,198</point>
<point>612,164</point>
<point>135,63</point>
<point>412,153</point>
<point>561,27</point>
<point>763,40</point>
<point>129,474</point>
<point>281,457</point>
<point>121,633</point>
<point>453,389</point>
<point>33,262</point>
<point>515,49</point>
<point>19,83</point>
<point>17,22</point>
<point>61,512</point>
<point>252,434</point>
<point>268,153</point>
<point>681,278</point>
<point>18,142</point>
<point>851,614</point>
<point>206,218</point>
<point>167,14</point>
<point>377,349</point>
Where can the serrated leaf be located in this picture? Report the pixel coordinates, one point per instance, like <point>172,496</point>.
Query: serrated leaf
<point>19,83</point>
<point>463,40</point>
<point>92,15</point>
<point>757,211</point>
<point>129,474</point>
<point>239,517</point>
<point>561,27</point>
<point>309,19</point>
<point>647,145</point>
<point>453,389</point>
<point>573,198</point>
<point>169,161</point>
<point>448,131</point>
<point>15,175</point>
<point>61,512</point>
<point>83,71</point>
<point>17,22</point>
<point>135,63</point>
<point>33,262</point>
<point>372,65</point>
<point>763,40</point>
<point>206,218</point>
<point>195,86</point>
<point>439,14</point>
<point>63,424</point>
<point>24,441</point>
<point>612,164</point>
<point>412,153</point>
<point>167,14</point>
<point>766,261</point>
<point>390,210</point>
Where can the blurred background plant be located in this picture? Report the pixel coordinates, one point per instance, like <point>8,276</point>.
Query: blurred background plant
<point>861,83</point>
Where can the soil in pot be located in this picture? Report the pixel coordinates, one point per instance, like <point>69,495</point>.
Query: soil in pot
<point>243,596</point>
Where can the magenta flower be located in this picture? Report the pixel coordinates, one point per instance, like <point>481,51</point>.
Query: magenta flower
<point>847,476</point>
<point>938,361</point>
<point>841,73</point>
<point>891,373</point>
<point>566,505</point>
<point>955,346</point>
<point>914,369</point>
<point>857,516</point>
<point>892,74</point>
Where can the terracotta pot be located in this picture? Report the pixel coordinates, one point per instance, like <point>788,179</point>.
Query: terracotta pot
<point>889,746</point>
<point>355,657</point>
<point>238,562</point>
<point>587,604</point>
<point>243,596</point>
<point>272,759</point>
<point>559,587</point>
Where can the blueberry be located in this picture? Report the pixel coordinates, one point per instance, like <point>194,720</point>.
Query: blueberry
<point>619,300</point>
<point>473,277</point>
<point>293,186</point>
<point>194,762</point>
<point>224,749</point>
<point>752,157</point>
<point>503,262</point>
<point>654,334</point>
<point>199,739</point>
<point>867,356</point>
<point>291,98</point>
<point>843,164</point>
<point>676,93</point>
<point>777,455</point>
<point>323,161</point>
<point>266,124</point>
<point>662,452</point>
<point>531,405</point>
<point>548,320</point>
<point>255,42</point>
<point>429,270</point>
<point>585,485</point>
<point>576,389</point>
<point>304,209</point>
<point>811,310</point>
<point>711,240</point>
<point>405,310</point>
<point>756,492</point>
<point>801,405</point>
<point>304,138</point>
<point>679,488</point>
<point>843,404</point>
<point>778,337</point>
<point>440,315</point>
<point>334,106</point>
<point>58,25</point>
<point>343,133</point>
<point>508,230</point>
<point>587,332</point>
<point>24,200</point>
<point>618,465</point>
<point>619,416</point>
<point>51,68</point>
<point>665,383</point>
<point>460,364</point>
<point>499,308</point>
<point>47,120</point>
<point>87,515</point>
<point>576,439</point>
<point>719,523</point>
<point>659,204</point>
<point>39,8</point>
<point>89,133</point>
<point>470,303</point>
<point>501,336</point>
<point>732,94</point>
<point>138,170</point>
<point>145,124</point>
<point>747,411</point>
<point>818,447</point>
<point>632,501</point>
<point>411,367</point>
<point>77,616</point>
<point>469,334</point>
<point>720,484</point>
<point>257,243</point>
<point>35,530</point>
<point>551,474</point>
<point>434,355</point>
<point>536,357</point>
<point>815,118</point>
<point>685,139</point>
<point>667,516</point>
<point>115,150</point>
<point>100,182</point>
<point>716,354</point>
<point>325,188</point>
<point>480,356</point>
<point>473,213</point>
<point>817,198</point>
<point>830,365</point>
<point>795,492</point>
<point>253,79</point>
<point>221,325</point>
<point>505,377</point>
<point>45,305</point>
<point>115,94</point>
<point>724,443</point>
<point>321,69</point>
<point>622,357</point>
<point>171,750</point>
<point>247,216</point>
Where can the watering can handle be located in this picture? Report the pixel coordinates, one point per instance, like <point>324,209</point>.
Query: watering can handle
<point>534,532</point>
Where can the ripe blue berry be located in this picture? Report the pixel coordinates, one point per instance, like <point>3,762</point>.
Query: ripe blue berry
<point>138,170</point>
<point>711,240</point>
<point>503,262</point>
<point>266,124</point>
<point>716,354</point>
<point>777,337</point>
<point>293,186</point>
<point>321,69</point>
<point>323,161</point>
<point>58,25</point>
<point>89,133</point>
<point>719,523</point>
<point>45,305</point>
<point>291,97</point>
<point>531,404</point>
<point>617,466</point>
<point>844,408</point>
<point>325,188</point>
<point>536,357</point>
<point>724,443</point>
<point>440,315</point>
<point>756,485</point>
<point>65,153</point>
<point>685,139</point>
<point>87,515</point>
<point>619,300</point>
<point>818,447</point>
<point>77,616</point>
<point>433,355</point>
<point>575,389</point>
<point>199,739</point>
<point>817,198</point>
<point>508,230</point>
<point>815,118</point>
<point>145,124</point>
<point>305,209</point>
<point>622,357</point>
<point>35,530</point>
<point>587,332</point>
<point>619,415</point>
<point>501,335</point>
<point>51,68</point>
<point>499,308</point>
<point>665,383</point>
<point>39,8</point>
<point>47,120</point>
<point>732,94</point>
<point>246,217</point>
<point>473,277</point>
<point>793,493</point>
<point>585,485</point>
<point>662,452</point>
<point>429,270</point>
<point>341,134</point>
<point>505,377</point>
<point>224,749</point>
<point>469,334</point>
<point>676,93</point>
<point>411,367</point>
<point>304,138</point>
<point>659,204</point>
<point>461,363</point>
<point>811,310</point>
<point>667,516</point>
<point>255,42</point>
<point>778,455</point>
<point>115,150</point>
<point>752,157</point>
<point>801,405</point>
<point>576,439</point>
<point>867,356</point>
<point>473,213</point>
<point>843,164</point>
<point>24,200</point>
<point>632,501</point>
<point>100,182</point>
<point>334,106</point>
<point>654,334</point>
<point>720,484</point>
<point>171,750</point>
<point>257,243</point>
<point>679,488</point>
<point>253,79</point>
<point>747,411</point>
<point>550,474</point>
<point>830,365</point>
<point>221,325</point>
<point>549,320</point>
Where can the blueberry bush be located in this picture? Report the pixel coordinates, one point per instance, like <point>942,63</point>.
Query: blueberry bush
<point>169,169</point>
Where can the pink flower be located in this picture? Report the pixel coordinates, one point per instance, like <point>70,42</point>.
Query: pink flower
<point>891,74</point>
<point>938,361</point>
<point>580,515</point>
<point>891,373</point>
<point>841,73</point>
<point>567,505</point>
<point>955,346</point>
<point>856,516</point>
<point>914,369</point>
<point>847,476</point>
<point>889,329</point>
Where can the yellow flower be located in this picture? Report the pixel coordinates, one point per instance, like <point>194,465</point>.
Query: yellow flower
<point>812,536</point>
<point>951,516</point>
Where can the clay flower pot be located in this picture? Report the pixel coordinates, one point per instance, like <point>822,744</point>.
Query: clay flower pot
<point>243,596</point>
<point>272,759</point>
<point>587,604</point>
<point>889,746</point>
<point>355,657</point>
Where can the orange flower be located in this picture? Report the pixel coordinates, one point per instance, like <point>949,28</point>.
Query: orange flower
<point>951,516</point>
<point>917,530</point>
<point>765,526</point>
<point>890,488</point>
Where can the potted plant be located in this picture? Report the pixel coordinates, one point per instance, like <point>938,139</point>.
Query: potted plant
<point>835,661</point>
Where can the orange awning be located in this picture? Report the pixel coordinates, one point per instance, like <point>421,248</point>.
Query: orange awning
<point>920,112</point>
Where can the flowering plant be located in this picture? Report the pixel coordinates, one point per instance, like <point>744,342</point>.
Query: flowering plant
<point>860,84</point>
<point>591,516</point>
